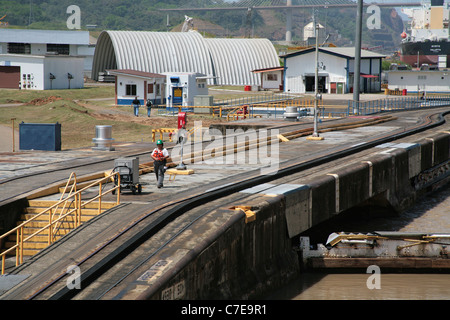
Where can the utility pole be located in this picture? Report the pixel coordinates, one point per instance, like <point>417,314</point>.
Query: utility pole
<point>357,67</point>
<point>315,135</point>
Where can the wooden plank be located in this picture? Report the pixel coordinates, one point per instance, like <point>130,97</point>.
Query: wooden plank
<point>182,172</point>
<point>282,138</point>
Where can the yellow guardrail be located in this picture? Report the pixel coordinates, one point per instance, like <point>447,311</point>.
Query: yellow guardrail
<point>161,132</point>
<point>240,112</point>
<point>53,223</point>
<point>396,92</point>
<point>171,133</point>
<point>213,109</point>
<point>305,102</point>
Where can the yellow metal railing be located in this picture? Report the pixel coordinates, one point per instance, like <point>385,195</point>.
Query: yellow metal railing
<point>240,112</point>
<point>171,133</point>
<point>73,197</point>
<point>237,112</point>
<point>161,131</point>
<point>73,189</point>
<point>212,108</point>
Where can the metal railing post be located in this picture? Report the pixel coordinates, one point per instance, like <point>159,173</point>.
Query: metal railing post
<point>100,198</point>
<point>50,229</point>
<point>21,245</point>
<point>78,212</point>
<point>17,246</point>
<point>118,190</point>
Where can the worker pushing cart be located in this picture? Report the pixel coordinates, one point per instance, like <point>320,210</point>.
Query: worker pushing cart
<point>159,155</point>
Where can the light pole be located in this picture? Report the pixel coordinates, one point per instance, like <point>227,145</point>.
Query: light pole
<point>357,69</point>
<point>315,135</point>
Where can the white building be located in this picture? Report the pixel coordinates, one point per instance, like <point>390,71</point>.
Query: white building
<point>271,78</point>
<point>130,84</point>
<point>44,45</point>
<point>39,72</point>
<point>336,69</point>
<point>419,81</point>
<point>309,33</point>
<point>182,87</point>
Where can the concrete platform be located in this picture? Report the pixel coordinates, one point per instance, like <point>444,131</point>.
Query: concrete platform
<point>24,172</point>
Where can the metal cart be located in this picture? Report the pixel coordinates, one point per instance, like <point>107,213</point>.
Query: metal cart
<point>128,169</point>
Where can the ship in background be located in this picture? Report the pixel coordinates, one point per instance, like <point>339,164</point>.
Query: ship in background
<point>428,39</point>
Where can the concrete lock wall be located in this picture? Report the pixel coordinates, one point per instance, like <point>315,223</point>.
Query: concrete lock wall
<point>9,215</point>
<point>248,259</point>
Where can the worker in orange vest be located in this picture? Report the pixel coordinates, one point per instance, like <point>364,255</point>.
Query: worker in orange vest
<point>159,155</point>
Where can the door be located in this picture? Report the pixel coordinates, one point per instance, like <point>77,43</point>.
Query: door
<point>177,95</point>
<point>9,77</point>
<point>310,83</point>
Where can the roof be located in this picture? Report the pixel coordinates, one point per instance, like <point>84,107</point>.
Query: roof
<point>154,52</point>
<point>140,74</point>
<point>311,26</point>
<point>25,57</point>
<point>223,61</point>
<point>234,59</point>
<point>268,69</point>
<point>344,52</point>
<point>44,36</point>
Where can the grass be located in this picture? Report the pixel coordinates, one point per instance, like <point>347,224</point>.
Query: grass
<point>80,110</point>
<point>78,115</point>
<point>77,123</point>
<point>24,96</point>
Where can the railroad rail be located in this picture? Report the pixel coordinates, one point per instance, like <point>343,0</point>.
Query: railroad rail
<point>104,257</point>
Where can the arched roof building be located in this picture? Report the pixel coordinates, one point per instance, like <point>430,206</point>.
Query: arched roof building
<point>235,59</point>
<point>230,61</point>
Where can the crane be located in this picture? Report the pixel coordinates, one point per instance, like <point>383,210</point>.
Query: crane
<point>188,24</point>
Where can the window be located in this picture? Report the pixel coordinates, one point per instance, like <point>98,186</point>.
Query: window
<point>58,48</point>
<point>150,88</point>
<point>272,77</point>
<point>130,90</point>
<point>19,48</point>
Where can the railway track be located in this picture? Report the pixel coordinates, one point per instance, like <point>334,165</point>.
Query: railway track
<point>116,249</point>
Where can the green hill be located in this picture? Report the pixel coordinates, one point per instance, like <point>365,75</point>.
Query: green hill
<point>145,15</point>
